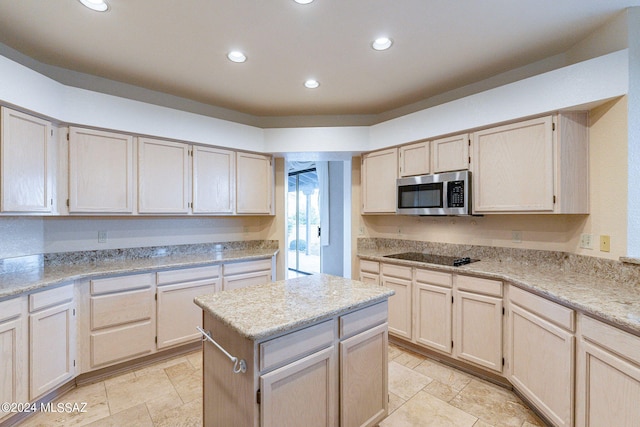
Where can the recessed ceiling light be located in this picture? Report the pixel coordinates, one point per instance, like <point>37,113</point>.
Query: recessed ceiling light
<point>382,43</point>
<point>236,56</point>
<point>311,84</point>
<point>97,5</point>
<point>303,1</point>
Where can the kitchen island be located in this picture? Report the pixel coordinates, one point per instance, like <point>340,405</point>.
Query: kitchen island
<point>310,351</point>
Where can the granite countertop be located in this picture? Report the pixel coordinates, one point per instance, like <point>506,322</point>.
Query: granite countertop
<point>261,311</point>
<point>616,302</point>
<point>35,273</point>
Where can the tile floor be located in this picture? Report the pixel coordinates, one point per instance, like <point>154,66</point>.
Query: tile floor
<point>422,393</point>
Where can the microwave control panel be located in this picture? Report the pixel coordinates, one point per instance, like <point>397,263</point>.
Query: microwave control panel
<point>455,194</point>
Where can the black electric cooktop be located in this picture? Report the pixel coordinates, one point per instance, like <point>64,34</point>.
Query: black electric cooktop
<point>433,259</point>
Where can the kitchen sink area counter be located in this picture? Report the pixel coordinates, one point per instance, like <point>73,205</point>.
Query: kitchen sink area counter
<point>30,273</point>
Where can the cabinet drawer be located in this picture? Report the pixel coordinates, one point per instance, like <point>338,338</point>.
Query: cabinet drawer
<point>430,277</point>
<point>622,343</point>
<point>122,343</point>
<point>555,313</point>
<point>246,266</point>
<point>50,297</point>
<point>121,283</point>
<point>363,319</point>
<point>480,286</point>
<point>188,274</point>
<point>392,270</point>
<point>284,349</point>
<point>244,280</point>
<point>369,266</point>
<point>121,308</point>
<point>11,308</point>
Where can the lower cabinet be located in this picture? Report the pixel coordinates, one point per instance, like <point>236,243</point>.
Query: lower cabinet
<point>246,273</point>
<point>304,391</point>
<point>370,272</point>
<point>52,339</point>
<point>478,320</point>
<point>608,376</point>
<point>177,315</point>
<point>541,354</point>
<point>398,278</point>
<point>363,396</point>
<point>432,302</point>
<point>14,380</point>
<point>122,318</point>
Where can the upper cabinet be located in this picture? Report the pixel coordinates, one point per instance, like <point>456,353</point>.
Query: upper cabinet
<point>254,183</point>
<point>214,180</point>
<point>163,177</point>
<point>534,166</point>
<point>379,174</point>
<point>100,172</point>
<point>26,163</point>
<point>451,153</point>
<point>414,159</point>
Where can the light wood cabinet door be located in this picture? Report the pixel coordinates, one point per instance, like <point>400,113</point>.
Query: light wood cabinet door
<point>541,364</point>
<point>608,374</point>
<point>303,393</point>
<point>100,172</point>
<point>14,347</point>
<point>433,312</point>
<point>414,159</point>
<point>478,329</point>
<point>254,184</point>
<point>379,174</point>
<point>163,177</point>
<point>26,163</point>
<point>451,153</point>
<point>513,167</point>
<point>52,335</point>
<point>364,392</point>
<point>177,315</point>
<point>400,313</point>
<point>214,177</point>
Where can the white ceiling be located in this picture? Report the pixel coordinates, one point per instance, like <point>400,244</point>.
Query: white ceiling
<point>179,47</point>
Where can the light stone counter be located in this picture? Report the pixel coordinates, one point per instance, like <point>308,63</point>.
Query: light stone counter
<point>261,311</point>
<point>604,289</point>
<point>26,274</point>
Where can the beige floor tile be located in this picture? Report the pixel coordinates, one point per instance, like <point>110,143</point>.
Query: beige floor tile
<point>138,390</point>
<point>405,382</point>
<point>409,359</point>
<point>187,380</point>
<point>493,405</point>
<point>195,359</point>
<point>395,402</point>
<point>394,351</point>
<point>425,410</point>
<point>163,403</point>
<point>187,415</point>
<point>481,423</point>
<point>137,416</point>
<point>122,378</point>
<point>160,366</point>
<point>441,391</point>
<point>447,375</point>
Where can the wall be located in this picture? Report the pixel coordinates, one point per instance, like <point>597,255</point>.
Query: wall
<point>546,232</point>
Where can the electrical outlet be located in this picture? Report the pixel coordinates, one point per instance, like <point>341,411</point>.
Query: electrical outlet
<point>516,236</point>
<point>102,237</point>
<point>605,243</point>
<point>586,241</point>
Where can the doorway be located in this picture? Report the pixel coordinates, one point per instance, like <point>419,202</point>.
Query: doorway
<point>303,220</point>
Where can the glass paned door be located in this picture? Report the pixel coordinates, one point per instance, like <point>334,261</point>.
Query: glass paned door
<point>303,223</point>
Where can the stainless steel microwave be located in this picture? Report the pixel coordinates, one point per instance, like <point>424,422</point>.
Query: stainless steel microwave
<point>438,194</point>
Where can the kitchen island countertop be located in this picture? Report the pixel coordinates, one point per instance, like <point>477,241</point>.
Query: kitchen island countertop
<point>265,310</point>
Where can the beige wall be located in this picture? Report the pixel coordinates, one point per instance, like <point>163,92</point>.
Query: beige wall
<point>608,142</point>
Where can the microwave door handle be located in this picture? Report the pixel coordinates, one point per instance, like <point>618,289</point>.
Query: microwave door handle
<point>445,198</point>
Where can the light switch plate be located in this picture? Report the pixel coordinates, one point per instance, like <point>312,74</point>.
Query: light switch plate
<point>586,241</point>
<point>605,243</point>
